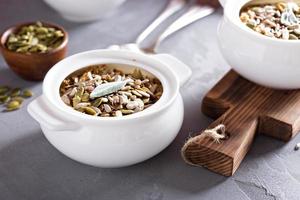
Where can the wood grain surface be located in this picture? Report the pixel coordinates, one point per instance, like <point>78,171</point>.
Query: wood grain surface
<point>245,109</point>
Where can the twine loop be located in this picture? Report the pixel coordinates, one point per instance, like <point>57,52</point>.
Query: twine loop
<point>217,134</point>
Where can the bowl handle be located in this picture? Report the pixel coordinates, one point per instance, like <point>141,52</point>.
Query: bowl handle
<point>182,71</point>
<point>40,111</point>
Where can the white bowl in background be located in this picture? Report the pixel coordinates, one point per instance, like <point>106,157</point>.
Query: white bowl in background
<point>267,61</point>
<point>84,10</point>
<point>113,141</point>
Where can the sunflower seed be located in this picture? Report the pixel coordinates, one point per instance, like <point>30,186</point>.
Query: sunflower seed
<point>131,105</point>
<point>136,93</point>
<point>118,113</point>
<point>123,99</point>
<point>82,105</point>
<point>107,108</point>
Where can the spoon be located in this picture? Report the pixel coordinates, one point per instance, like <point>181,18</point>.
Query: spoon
<point>194,14</point>
<point>199,10</point>
<point>172,7</point>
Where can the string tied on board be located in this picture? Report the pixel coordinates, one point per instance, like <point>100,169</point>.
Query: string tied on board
<point>217,134</point>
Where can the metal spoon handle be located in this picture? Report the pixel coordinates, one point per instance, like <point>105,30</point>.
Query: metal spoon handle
<point>193,14</point>
<point>172,8</point>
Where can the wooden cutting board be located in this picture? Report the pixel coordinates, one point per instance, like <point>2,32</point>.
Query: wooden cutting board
<point>245,109</point>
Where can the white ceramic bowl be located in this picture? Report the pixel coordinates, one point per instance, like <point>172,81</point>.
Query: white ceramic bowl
<point>112,142</point>
<point>84,10</point>
<point>270,62</point>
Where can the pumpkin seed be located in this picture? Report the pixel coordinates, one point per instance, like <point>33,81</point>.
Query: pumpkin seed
<point>76,100</point>
<point>97,110</point>
<point>27,93</point>
<point>15,92</point>
<point>97,102</point>
<point>90,111</point>
<point>80,91</point>
<point>137,74</point>
<point>85,97</point>
<point>297,31</point>
<point>127,112</point>
<point>35,38</point>
<point>4,99</point>
<point>13,99</point>
<point>13,105</point>
<point>4,89</point>
<point>293,37</point>
<point>18,99</point>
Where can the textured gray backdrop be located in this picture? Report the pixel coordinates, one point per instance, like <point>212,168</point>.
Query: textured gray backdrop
<point>30,168</point>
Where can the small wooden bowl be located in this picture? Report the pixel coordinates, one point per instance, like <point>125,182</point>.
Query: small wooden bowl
<point>33,66</point>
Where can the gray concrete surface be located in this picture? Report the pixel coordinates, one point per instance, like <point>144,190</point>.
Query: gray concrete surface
<point>31,169</point>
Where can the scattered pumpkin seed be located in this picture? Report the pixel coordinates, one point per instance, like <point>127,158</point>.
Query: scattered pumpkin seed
<point>4,99</point>
<point>13,105</point>
<point>27,93</point>
<point>4,89</point>
<point>15,92</point>
<point>18,99</point>
<point>13,98</point>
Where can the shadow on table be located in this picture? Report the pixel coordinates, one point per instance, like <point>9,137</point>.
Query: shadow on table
<point>30,167</point>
